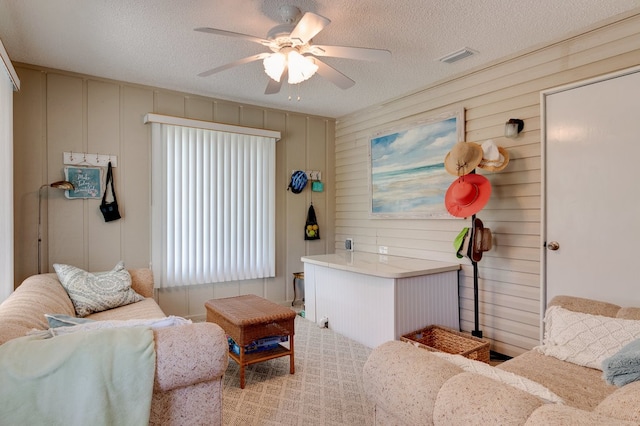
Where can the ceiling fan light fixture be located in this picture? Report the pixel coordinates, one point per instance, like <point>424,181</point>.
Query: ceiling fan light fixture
<point>301,68</point>
<point>294,54</point>
<point>274,65</point>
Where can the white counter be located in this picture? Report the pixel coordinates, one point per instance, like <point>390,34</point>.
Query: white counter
<point>374,298</point>
<point>380,265</point>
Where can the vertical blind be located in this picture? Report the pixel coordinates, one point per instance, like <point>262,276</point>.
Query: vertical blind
<point>213,206</point>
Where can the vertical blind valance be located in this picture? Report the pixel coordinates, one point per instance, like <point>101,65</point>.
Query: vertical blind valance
<point>213,206</point>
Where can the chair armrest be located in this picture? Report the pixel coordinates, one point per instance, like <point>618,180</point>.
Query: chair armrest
<point>560,415</point>
<point>470,398</point>
<point>189,354</point>
<point>623,404</point>
<point>142,281</point>
<point>405,380</point>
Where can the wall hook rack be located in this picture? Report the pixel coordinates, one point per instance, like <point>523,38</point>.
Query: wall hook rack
<point>86,159</point>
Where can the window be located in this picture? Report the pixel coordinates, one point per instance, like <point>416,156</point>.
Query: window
<point>213,202</point>
<point>9,83</point>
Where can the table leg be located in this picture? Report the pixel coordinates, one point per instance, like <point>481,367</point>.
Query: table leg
<point>292,364</point>
<point>294,290</point>
<point>241,366</point>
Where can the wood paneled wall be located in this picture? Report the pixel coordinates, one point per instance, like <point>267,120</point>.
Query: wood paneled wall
<point>59,111</point>
<point>509,274</point>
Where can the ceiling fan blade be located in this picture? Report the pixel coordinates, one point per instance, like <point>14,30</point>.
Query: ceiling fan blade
<point>333,75</point>
<point>360,53</point>
<point>273,86</point>
<point>308,26</point>
<point>235,63</point>
<point>217,31</point>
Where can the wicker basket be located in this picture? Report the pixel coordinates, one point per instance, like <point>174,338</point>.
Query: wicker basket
<point>441,339</point>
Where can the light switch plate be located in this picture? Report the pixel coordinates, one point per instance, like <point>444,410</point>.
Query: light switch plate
<point>348,244</point>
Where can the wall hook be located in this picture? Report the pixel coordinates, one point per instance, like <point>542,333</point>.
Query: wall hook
<point>89,159</point>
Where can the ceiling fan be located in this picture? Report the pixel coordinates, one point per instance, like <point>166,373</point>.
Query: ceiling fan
<point>293,56</point>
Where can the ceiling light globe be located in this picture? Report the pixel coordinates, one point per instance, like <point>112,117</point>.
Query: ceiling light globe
<point>274,65</point>
<point>301,68</point>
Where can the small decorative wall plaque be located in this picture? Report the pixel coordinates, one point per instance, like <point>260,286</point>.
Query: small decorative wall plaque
<point>86,180</point>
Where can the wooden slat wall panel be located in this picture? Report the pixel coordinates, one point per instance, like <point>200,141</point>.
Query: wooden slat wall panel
<point>509,274</point>
<point>32,135</point>
<point>135,234</point>
<point>60,111</point>
<point>103,128</point>
<point>65,130</point>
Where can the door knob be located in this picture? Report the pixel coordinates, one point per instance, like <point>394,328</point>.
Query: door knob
<point>553,245</point>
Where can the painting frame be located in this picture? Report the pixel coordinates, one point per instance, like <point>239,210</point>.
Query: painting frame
<point>403,159</point>
<point>87,182</point>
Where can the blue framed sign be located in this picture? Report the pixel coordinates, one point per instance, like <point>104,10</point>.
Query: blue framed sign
<point>86,180</point>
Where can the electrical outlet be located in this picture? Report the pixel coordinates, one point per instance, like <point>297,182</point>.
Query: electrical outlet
<point>348,244</point>
<point>382,249</point>
<point>324,322</point>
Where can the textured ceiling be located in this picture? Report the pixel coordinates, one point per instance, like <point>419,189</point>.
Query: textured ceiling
<point>152,42</point>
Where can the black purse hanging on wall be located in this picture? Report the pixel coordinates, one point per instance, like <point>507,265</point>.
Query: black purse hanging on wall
<point>109,210</point>
<point>311,231</point>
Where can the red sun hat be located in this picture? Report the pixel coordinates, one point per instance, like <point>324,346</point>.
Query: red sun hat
<point>467,195</point>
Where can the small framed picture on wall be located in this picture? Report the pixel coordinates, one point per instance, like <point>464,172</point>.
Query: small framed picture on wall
<point>86,180</point>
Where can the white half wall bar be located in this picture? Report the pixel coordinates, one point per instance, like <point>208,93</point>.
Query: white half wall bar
<point>373,298</point>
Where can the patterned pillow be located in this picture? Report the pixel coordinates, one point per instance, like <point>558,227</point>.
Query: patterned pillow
<point>97,292</point>
<point>585,339</point>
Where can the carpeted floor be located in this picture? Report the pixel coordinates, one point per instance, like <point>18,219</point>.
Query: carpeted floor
<point>326,388</point>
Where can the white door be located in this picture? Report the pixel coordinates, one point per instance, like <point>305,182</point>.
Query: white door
<point>591,149</point>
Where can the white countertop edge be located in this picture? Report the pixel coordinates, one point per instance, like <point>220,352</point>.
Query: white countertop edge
<point>383,266</point>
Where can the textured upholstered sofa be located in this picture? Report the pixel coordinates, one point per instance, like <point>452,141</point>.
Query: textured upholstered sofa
<point>190,359</point>
<point>412,386</point>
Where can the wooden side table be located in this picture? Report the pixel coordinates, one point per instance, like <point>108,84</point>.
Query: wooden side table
<point>248,318</point>
<point>296,276</point>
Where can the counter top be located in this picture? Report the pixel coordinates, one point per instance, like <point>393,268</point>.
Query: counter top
<point>380,265</point>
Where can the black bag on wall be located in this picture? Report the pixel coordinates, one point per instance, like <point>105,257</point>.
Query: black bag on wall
<point>311,230</point>
<point>109,210</point>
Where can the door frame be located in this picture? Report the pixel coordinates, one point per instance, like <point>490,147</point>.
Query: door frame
<point>543,176</point>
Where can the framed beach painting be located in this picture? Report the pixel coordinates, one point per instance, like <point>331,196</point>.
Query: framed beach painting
<point>407,178</point>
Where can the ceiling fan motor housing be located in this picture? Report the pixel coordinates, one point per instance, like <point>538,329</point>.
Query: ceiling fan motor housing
<point>279,35</point>
<point>289,14</point>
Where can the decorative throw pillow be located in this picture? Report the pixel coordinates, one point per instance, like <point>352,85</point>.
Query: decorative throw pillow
<point>61,320</point>
<point>585,339</point>
<point>507,377</point>
<point>97,292</point>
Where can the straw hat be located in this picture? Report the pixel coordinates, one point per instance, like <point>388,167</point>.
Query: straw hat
<point>463,158</point>
<point>494,158</point>
<point>467,195</point>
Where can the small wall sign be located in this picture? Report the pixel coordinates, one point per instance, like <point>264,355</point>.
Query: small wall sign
<point>86,180</point>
